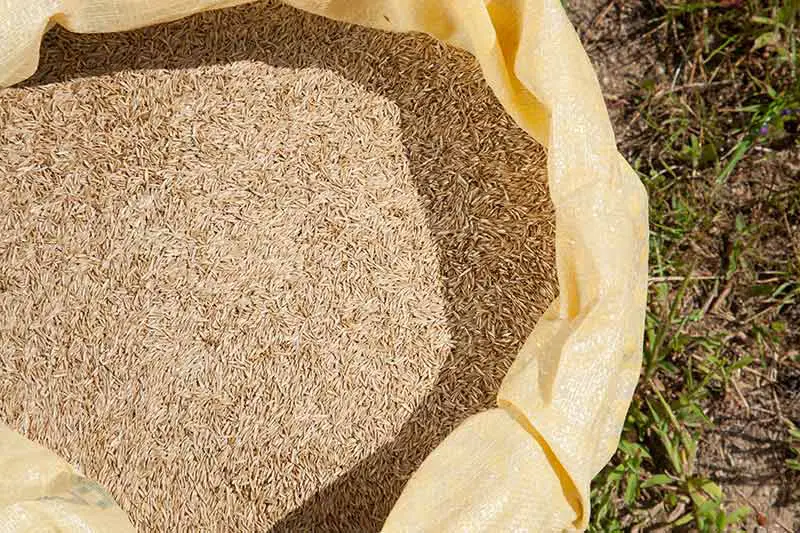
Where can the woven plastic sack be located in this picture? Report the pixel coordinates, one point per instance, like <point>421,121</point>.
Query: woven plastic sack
<point>527,464</point>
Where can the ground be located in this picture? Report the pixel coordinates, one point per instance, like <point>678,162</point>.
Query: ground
<point>705,101</point>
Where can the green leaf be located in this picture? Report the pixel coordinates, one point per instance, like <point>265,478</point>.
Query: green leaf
<point>631,488</point>
<point>709,509</point>
<point>722,520</point>
<point>761,290</point>
<point>739,514</point>
<point>772,92</point>
<point>668,366</point>
<point>615,476</point>
<point>778,326</point>
<point>634,449</point>
<point>740,151</point>
<point>712,489</point>
<point>657,481</point>
<point>648,84</point>
<point>770,38</point>
<point>762,20</point>
<point>741,363</point>
<point>682,521</point>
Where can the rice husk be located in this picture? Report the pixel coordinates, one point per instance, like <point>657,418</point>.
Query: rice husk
<point>255,264</point>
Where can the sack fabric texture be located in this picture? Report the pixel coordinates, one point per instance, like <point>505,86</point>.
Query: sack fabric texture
<point>527,463</point>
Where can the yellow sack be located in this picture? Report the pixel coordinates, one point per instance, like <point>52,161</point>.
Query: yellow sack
<point>527,464</point>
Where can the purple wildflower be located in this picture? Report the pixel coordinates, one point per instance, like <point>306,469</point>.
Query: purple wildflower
<point>764,130</point>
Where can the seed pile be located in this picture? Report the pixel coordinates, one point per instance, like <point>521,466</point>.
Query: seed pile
<point>251,282</point>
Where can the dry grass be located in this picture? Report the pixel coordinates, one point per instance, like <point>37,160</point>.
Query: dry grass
<point>281,264</point>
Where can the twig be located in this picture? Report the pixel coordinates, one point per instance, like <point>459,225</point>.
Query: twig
<point>766,412</point>
<point>777,404</point>
<point>696,85</point>
<point>711,296</point>
<point>745,403</point>
<point>726,290</point>
<point>598,19</point>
